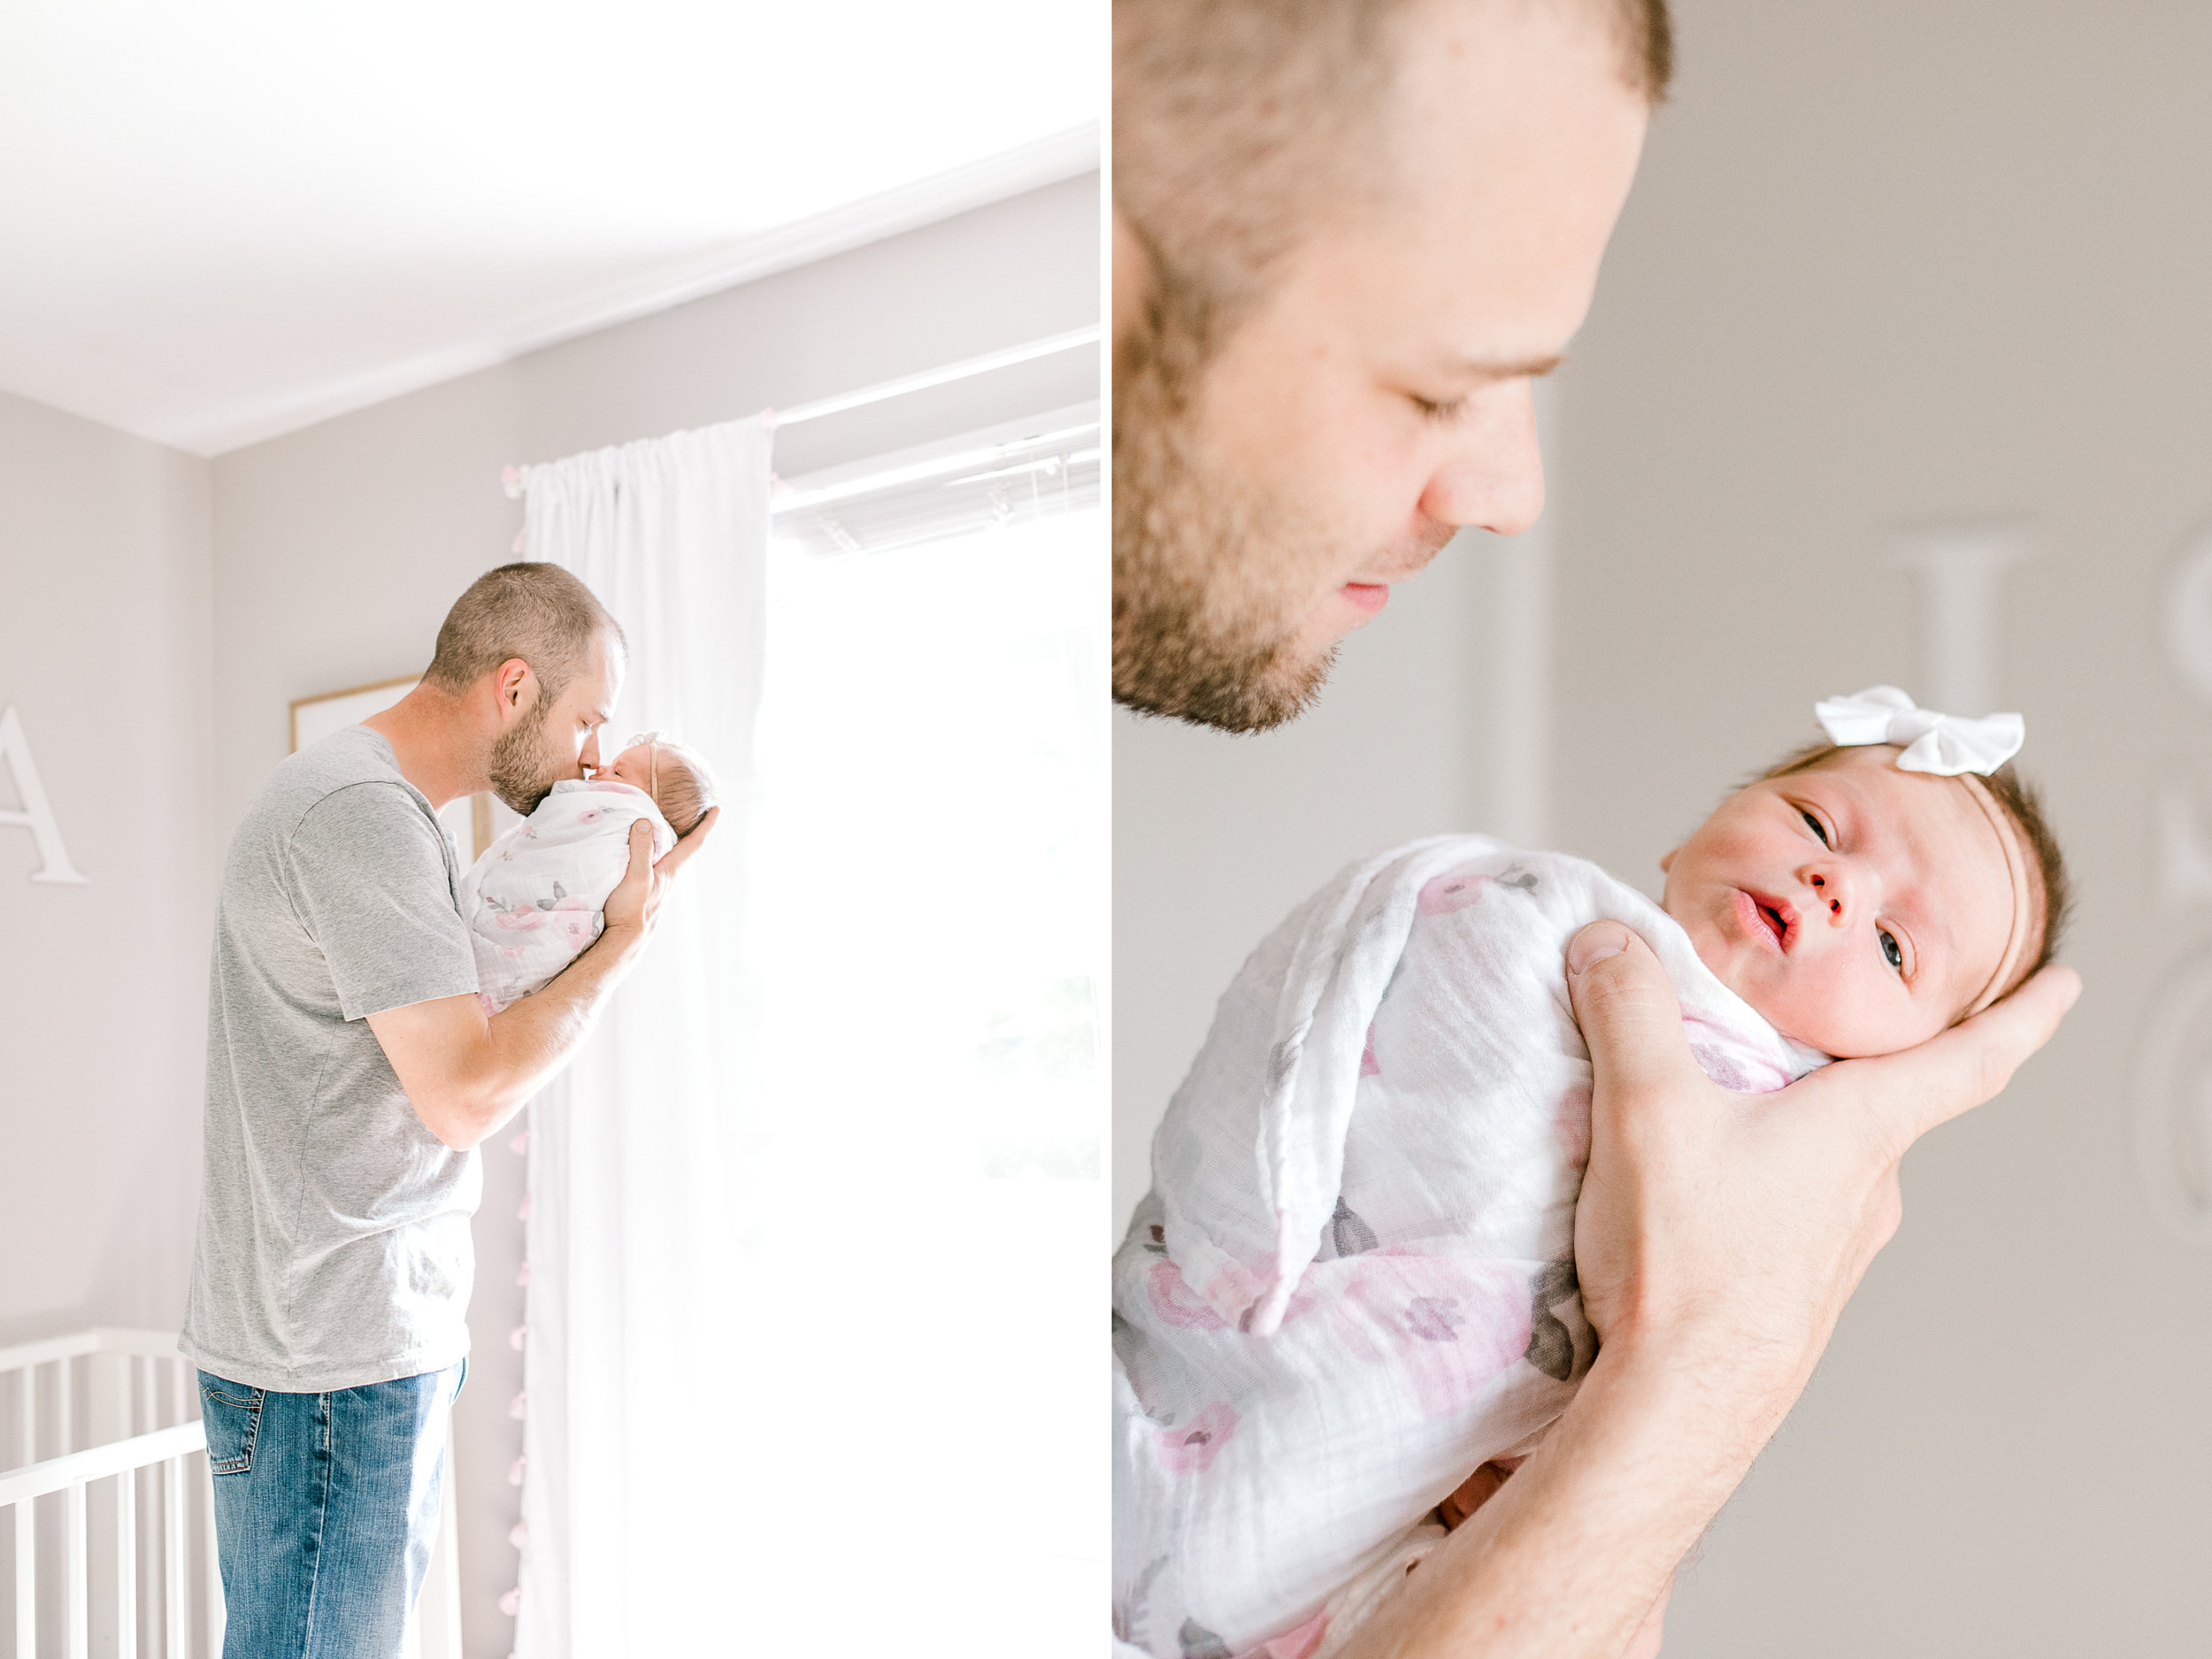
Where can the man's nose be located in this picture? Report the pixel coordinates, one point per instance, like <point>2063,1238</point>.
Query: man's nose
<point>1493,476</point>
<point>589,757</point>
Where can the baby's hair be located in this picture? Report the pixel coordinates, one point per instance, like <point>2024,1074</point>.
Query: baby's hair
<point>685,789</point>
<point>2023,803</point>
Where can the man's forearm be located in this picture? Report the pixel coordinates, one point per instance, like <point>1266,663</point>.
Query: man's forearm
<point>530,1040</point>
<point>1568,1558</point>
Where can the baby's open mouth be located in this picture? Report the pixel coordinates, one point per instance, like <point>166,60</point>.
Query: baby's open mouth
<point>1766,917</point>
<point>1777,916</point>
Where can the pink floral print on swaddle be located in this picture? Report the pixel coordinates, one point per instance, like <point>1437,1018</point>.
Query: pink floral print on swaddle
<point>1354,1278</point>
<point>536,899</point>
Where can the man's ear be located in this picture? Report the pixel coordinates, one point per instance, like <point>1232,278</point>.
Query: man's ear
<point>515,686</point>
<point>1666,860</point>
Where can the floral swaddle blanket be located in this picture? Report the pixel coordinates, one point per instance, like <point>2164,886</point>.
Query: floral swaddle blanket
<point>535,902</point>
<point>1352,1280</point>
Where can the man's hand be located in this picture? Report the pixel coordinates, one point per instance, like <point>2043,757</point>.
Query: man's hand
<point>1717,1238</point>
<point>633,908</point>
<point>1729,1230</point>
<point>465,1074</point>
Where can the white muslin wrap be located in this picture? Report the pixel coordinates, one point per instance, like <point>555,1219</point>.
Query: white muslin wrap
<point>1352,1280</point>
<point>535,901</point>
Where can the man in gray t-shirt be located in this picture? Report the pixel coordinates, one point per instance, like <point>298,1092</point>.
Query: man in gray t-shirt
<point>351,1074</point>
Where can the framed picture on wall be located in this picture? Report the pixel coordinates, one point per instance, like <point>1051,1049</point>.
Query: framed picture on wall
<point>314,719</point>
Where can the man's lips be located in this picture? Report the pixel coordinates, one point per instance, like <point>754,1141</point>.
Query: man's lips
<point>1764,917</point>
<point>1368,596</point>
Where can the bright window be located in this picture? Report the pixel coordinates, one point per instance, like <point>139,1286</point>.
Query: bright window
<point>931,951</point>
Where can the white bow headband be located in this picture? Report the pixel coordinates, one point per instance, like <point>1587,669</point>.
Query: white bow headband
<point>1943,744</point>
<point>1947,746</point>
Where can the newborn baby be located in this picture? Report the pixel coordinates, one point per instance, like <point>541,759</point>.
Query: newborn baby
<point>1352,1280</point>
<point>535,902</point>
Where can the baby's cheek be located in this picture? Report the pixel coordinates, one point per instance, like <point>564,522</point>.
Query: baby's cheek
<point>1837,1006</point>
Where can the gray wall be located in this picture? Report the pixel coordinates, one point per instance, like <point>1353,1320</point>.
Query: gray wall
<point>105,643</point>
<point>158,613</point>
<point>1887,265</point>
<point>339,548</point>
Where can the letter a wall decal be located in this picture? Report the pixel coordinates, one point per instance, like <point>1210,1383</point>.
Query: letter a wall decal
<point>37,815</point>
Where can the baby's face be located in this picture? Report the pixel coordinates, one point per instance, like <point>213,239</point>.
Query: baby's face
<point>1858,908</point>
<point>634,766</point>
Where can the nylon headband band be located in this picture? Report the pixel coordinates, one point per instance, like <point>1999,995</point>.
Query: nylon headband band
<point>2023,896</point>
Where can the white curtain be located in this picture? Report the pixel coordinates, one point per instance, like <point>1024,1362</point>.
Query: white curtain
<point>811,1345</point>
<point>633,1153</point>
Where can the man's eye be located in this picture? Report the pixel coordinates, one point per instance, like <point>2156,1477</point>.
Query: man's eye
<point>1890,953</point>
<point>1816,823</point>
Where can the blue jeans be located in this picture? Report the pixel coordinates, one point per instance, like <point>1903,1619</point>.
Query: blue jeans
<point>326,1508</point>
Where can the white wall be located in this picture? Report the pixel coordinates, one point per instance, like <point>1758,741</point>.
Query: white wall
<point>1887,265</point>
<point>341,547</point>
<point>105,643</point>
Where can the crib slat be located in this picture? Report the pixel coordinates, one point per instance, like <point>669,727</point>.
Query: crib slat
<point>63,1370</point>
<point>126,1563</point>
<point>74,1529</point>
<point>175,1592</point>
<point>27,1578</point>
<point>26,1413</point>
<point>212,1604</point>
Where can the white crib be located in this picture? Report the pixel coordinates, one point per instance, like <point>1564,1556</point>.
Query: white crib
<point>106,1499</point>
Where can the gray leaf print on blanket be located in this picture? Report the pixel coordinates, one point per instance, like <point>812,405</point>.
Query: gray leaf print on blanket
<point>1517,876</point>
<point>1200,1643</point>
<point>1349,1234</point>
<point>1129,1616</point>
<point>1551,1346</point>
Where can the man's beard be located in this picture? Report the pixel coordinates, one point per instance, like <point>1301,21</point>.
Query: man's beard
<point>525,764</point>
<point>1198,634</point>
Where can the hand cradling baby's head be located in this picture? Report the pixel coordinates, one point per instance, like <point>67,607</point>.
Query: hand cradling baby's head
<point>1862,909</point>
<point>673,774</point>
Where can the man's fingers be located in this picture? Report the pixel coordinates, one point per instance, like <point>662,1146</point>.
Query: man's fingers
<point>1914,1091</point>
<point>674,859</point>
<point>1627,1009</point>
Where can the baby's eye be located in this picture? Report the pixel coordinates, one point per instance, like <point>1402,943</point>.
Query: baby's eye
<point>1431,409</point>
<point>1816,823</point>
<point>1891,953</point>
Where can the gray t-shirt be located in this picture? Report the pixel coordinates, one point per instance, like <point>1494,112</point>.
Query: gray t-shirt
<point>333,1245</point>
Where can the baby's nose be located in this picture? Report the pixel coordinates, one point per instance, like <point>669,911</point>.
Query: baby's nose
<point>1828,890</point>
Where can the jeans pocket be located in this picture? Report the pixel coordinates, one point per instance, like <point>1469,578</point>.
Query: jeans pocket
<point>231,1413</point>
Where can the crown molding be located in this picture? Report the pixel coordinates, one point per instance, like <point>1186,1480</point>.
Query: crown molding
<point>1043,161</point>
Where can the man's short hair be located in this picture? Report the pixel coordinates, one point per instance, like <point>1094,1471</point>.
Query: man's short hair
<point>1237,124</point>
<point>538,612</point>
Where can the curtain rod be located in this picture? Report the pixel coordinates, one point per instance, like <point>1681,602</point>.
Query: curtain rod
<point>963,370</point>
<point>1006,358</point>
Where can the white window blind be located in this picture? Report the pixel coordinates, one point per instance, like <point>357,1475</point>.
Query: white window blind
<point>1010,475</point>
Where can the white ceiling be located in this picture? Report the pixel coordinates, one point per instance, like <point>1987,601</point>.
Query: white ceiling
<point>222,219</point>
